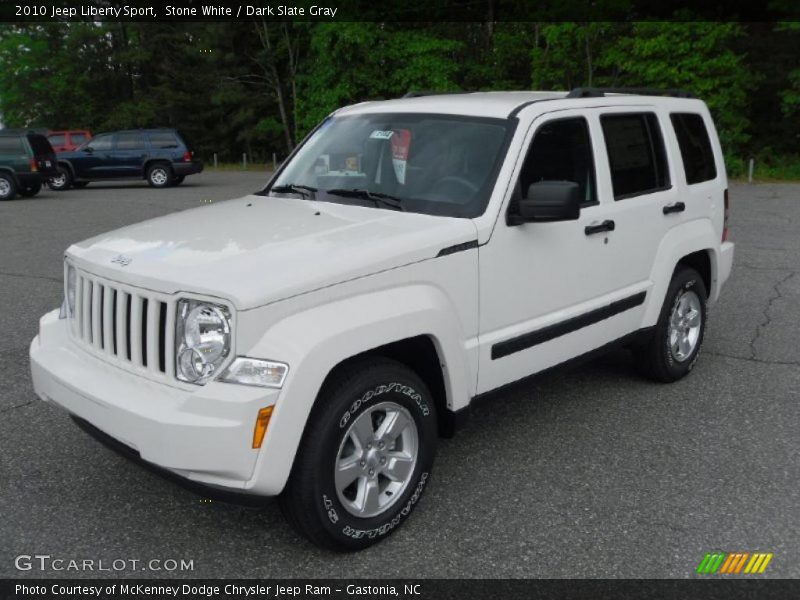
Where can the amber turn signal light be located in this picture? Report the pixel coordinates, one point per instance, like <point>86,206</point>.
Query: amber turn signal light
<point>262,421</point>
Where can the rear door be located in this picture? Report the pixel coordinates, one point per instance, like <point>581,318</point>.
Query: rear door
<point>129,154</point>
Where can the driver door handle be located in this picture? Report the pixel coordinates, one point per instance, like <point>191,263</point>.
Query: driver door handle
<point>674,208</point>
<point>607,225</point>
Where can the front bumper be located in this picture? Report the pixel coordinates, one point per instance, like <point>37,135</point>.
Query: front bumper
<point>203,434</point>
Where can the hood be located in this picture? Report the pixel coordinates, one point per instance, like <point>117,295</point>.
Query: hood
<point>257,249</point>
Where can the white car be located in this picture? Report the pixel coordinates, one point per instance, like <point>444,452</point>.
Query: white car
<point>314,340</point>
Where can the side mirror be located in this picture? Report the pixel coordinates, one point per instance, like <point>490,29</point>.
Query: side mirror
<point>88,149</point>
<point>550,201</point>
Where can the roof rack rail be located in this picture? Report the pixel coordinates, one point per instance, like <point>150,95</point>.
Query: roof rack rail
<point>599,92</point>
<point>421,93</point>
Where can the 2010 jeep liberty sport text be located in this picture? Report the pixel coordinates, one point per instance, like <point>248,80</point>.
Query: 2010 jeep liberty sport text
<point>313,340</point>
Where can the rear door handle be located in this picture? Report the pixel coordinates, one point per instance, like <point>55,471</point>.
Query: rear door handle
<point>607,225</point>
<point>674,208</point>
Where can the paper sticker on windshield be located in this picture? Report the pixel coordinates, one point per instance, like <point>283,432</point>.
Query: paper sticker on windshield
<point>381,135</point>
<point>400,146</point>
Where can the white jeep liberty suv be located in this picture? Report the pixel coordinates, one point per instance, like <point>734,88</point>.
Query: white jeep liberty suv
<point>314,339</point>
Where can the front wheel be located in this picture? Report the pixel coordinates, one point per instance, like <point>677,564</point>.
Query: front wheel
<point>365,457</point>
<point>159,175</point>
<point>62,181</point>
<point>673,350</point>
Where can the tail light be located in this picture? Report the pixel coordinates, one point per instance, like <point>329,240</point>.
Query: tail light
<point>34,165</point>
<point>187,156</point>
<point>727,215</point>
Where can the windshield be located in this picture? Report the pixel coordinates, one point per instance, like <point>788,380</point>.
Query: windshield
<point>433,164</point>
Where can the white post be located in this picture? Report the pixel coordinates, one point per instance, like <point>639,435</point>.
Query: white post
<point>215,160</point>
<point>244,160</point>
<point>274,162</point>
<point>750,171</point>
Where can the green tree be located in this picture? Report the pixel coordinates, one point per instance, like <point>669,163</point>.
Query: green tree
<point>382,60</point>
<point>696,56</point>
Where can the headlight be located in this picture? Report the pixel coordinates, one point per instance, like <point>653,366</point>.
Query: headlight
<point>203,340</point>
<point>68,306</point>
<point>254,371</point>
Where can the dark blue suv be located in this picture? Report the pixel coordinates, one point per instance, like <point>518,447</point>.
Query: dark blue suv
<point>158,155</point>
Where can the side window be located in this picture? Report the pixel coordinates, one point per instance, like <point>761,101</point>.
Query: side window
<point>101,142</point>
<point>696,153</point>
<point>130,141</point>
<point>561,150</point>
<point>11,145</point>
<point>163,139</point>
<point>636,154</point>
<point>77,138</point>
<point>58,139</point>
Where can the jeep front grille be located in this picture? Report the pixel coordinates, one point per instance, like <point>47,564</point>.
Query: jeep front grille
<point>133,327</point>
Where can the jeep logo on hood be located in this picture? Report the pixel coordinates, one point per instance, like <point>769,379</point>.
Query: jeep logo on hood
<point>122,260</point>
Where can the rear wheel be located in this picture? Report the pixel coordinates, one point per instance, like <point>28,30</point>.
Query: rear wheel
<point>673,350</point>
<point>62,181</point>
<point>365,457</point>
<point>159,175</point>
<point>31,190</point>
<point>8,189</point>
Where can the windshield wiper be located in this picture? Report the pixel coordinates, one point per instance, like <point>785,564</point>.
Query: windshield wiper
<point>305,191</point>
<point>378,198</point>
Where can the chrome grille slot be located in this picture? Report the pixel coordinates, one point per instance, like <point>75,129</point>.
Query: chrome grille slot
<point>129,326</point>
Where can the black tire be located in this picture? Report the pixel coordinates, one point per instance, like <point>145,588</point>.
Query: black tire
<point>159,175</point>
<point>311,501</point>
<point>658,359</point>
<point>178,179</point>
<point>80,184</point>
<point>31,190</point>
<point>8,187</point>
<point>61,182</point>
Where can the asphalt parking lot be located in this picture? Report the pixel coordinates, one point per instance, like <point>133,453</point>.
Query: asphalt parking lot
<point>585,473</point>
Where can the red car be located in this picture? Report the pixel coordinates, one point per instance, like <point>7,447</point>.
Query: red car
<point>67,141</point>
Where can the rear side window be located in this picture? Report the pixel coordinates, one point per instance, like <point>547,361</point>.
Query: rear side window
<point>57,140</point>
<point>636,154</point>
<point>11,145</point>
<point>130,141</point>
<point>561,151</point>
<point>696,153</point>
<point>163,139</point>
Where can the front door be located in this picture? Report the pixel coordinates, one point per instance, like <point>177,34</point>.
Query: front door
<point>94,161</point>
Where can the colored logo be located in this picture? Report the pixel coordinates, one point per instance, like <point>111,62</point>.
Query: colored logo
<point>734,563</point>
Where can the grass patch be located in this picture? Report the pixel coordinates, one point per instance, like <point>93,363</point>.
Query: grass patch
<point>767,167</point>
